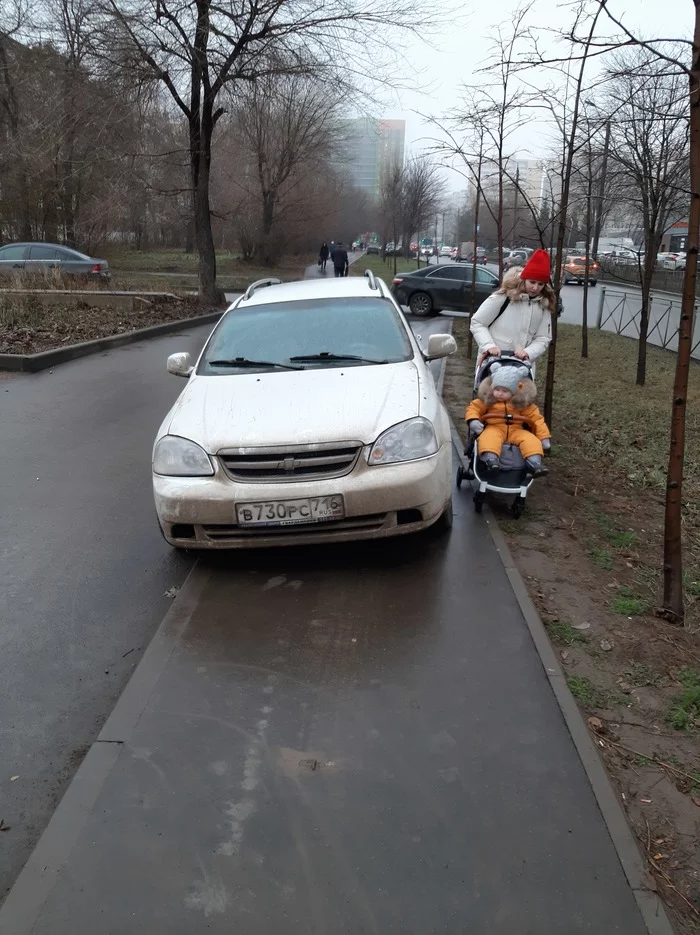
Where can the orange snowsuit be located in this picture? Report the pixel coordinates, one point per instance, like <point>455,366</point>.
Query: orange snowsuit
<point>505,425</point>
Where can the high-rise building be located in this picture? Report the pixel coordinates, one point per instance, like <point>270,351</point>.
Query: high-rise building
<point>369,149</point>
<point>532,179</point>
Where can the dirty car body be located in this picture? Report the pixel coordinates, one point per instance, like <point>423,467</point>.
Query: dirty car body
<point>311,415</point>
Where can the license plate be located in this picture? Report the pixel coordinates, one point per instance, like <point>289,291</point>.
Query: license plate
<point>290,512</point>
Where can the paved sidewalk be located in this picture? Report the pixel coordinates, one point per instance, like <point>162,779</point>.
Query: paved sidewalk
<point>358,739</point>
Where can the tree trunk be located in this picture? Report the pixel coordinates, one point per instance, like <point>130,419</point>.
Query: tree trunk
<point>649,261</point>
<point>673,548</point>
<point>472,303</point>
<point>584,316</point>
<point>601,191</point>
<point>201,130</point>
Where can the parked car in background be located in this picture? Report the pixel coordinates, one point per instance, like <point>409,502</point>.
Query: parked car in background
<point>445,250</point>
<point>465,254</point>
<point>429,290</point>
<point>45,257</point>
<point>673,261</point>
<point>518,257</point>
<point>311,416</point>
<point>578,269</point>
<point>373,248</point>
<point>621,257</point>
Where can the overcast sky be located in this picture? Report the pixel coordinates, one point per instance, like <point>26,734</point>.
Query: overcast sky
<point>459,49</point>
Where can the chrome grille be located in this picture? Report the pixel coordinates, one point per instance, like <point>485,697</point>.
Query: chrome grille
<point>256,465</point>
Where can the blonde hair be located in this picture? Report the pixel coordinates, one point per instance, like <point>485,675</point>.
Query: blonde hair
<point>513,286</point>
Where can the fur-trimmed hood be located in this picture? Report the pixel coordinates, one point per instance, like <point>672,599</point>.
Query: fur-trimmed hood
<point>524,396</point>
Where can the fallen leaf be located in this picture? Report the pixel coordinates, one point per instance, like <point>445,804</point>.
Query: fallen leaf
<point>605,645</point>
<point>659,857</point>
<point>595,723</point>
<point>14,778</point>
<point>171,593</point>
<point>3,826</point>
<point>625,687</point>
<point>695,799</point>
<point>564,655</point>
<point>581,626</point>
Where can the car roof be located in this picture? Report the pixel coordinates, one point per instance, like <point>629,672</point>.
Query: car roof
<point>42,243</point>
<point>343,287</point>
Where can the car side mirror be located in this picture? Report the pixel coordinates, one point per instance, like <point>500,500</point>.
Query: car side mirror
<point>180,364</point>
<point>440,345</point>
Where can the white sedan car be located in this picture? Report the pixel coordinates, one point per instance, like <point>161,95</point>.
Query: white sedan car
<point>311,415</point>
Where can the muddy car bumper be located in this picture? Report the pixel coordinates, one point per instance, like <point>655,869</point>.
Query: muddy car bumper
<point>378,501</point>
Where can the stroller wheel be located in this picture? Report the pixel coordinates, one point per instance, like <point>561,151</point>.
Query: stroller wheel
<point>460,476</point>
<point>518,507</point>
<point>479,501</point>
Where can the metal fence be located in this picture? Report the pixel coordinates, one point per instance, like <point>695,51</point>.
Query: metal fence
<point>620,312</point>
<point>663,280</point>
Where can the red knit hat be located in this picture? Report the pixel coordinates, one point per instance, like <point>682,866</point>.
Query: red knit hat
<point>538,267</point>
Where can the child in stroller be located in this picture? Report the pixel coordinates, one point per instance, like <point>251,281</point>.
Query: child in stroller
<point>510,429</point>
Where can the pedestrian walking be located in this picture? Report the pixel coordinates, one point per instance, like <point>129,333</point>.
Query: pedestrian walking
<point>323,256</point>
<point>339,256</point>
<point>517,318</point>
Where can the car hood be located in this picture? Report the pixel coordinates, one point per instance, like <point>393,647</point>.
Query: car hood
<point>296,408</point>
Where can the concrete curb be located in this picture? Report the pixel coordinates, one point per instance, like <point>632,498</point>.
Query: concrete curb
<point>24,902</point>
<point>32,363</point>
<point>650,905</point>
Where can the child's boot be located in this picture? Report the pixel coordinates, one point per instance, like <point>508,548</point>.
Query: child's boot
<point>491,461</point>
<point>535,467</point>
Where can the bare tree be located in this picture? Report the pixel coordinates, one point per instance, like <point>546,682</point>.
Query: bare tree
<point>682,58</point>
<point>289,123</point>
<point>649,145</point>
<point>198,49</point>
<point>421,194</point>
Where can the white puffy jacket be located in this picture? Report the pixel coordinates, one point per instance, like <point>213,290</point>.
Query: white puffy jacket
<point>524,323</point>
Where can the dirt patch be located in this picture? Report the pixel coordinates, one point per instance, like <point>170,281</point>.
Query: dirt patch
<point>27,327</point>
<point>589,548</point>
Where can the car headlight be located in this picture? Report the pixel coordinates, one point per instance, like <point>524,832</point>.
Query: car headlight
<point>179,457</point>
<point>407,441</point>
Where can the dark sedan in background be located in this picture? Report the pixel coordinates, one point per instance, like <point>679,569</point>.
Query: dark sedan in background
<point>44,257</point>
<point>429,290</point>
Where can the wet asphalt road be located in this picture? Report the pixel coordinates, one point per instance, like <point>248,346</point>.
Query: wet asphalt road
<point>84,568</point>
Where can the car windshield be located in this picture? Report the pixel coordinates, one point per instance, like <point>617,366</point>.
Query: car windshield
<point>309,334</point>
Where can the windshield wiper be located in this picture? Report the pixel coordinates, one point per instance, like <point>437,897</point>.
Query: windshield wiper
<point>326,355</point>
<point>245,362</point>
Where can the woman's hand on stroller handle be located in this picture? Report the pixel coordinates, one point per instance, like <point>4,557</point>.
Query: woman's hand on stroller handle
<point>493,351</point>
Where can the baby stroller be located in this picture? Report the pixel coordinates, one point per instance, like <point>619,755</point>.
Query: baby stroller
<point>512,476</point>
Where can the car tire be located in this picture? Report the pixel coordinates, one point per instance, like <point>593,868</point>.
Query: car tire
<point>592,282</point>
<point>420,304</point>
<point>443,524</point>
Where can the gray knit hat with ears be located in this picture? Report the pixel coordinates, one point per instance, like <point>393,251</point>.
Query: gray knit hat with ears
<point>508,376</point>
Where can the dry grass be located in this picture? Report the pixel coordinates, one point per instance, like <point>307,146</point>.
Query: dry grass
<point>27,327</point>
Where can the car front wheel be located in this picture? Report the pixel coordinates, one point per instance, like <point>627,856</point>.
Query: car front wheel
<point>420,304</point>
<point>444,522</point>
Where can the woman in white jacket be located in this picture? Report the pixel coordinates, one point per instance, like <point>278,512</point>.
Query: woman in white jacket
<point>517,319</point>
